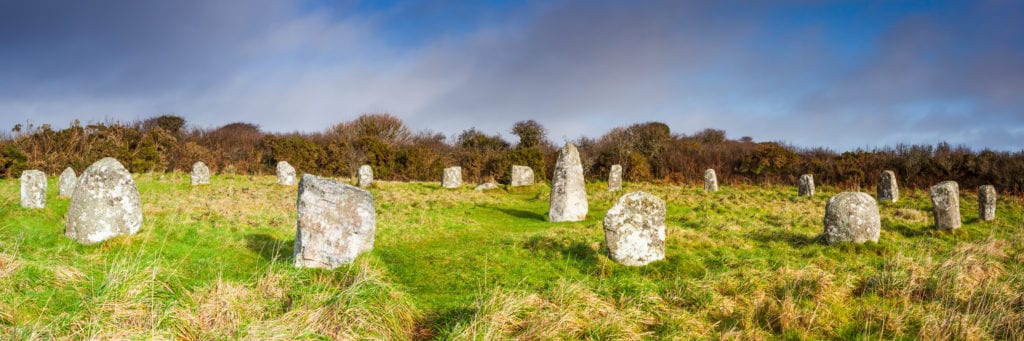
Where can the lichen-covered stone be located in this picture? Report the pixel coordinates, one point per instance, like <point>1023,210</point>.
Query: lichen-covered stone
<point>987,202</point>
<point>105,204</point>
<point>285,173</point>
<point>200,174</point>
<point>852,217</point>
<point>806,187</point>
<point>452,177</point>
<point>634,229</point>
<point>615,178</point>
<point>710,181</point>
<point>946,205</point>
<point>33,189</point>
<point>486,186</point>
<point>365,176</point>
<point>522,176</point>
<point>568,190</point>
<point>66,183</point>
<point>887,188</point>
<point>336,223</point>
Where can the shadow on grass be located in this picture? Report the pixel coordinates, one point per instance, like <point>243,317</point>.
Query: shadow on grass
<point>906,230</point>
<point>437,322</point>
<point>796,240</point>
<point>270,248</point>
<point>576,251</point>
<point>519,213</point>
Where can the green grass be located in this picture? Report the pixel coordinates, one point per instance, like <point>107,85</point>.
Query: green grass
<point>214,262</point>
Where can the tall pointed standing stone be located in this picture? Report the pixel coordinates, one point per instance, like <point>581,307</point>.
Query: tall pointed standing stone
<point>887,189</point>
<point>615,178</point>
<point>710,181</point>
<point>365,176</point>
<point>946,205</point>
<point>285,173</point>
<point>987,202</point>
<point>452,177</point>
<point>33,189</point>
<point>522,176</point>
<point>852,217</point>
<point>806,187</point>
<point>66,183</point>
<point>200,174</point>
<point>634,229</point>
<point>336,223</point>
<point>568,189</point>
<point>105,204</point>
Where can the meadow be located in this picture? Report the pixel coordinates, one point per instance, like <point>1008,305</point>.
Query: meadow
<point>214,262</point>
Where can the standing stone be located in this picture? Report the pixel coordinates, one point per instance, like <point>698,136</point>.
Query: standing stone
<point>452,177</point>
<point>987,202</point>
<point>105,204</point>
<point>806,185</point>
<point>634,229</point>
<point>946,205</point>
<point>33,189</point>
<point>887,189</point>
<point>285,173</point>
<point>522,176</point>
<point>568,190</point>
<point>486,186</point>
<point>336,223</point>
<point>710,181</point>
<point>365,176</point>
<point>852,217</point>
<point>615,178</point>
<point>200,174</point>
<point>66,183</point>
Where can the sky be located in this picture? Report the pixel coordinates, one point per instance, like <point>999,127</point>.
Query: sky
<point>834,74</point>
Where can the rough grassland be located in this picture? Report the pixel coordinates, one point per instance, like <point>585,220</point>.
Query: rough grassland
<point>214,262</point>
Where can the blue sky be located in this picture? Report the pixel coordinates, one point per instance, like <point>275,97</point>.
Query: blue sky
<point>840,74</point>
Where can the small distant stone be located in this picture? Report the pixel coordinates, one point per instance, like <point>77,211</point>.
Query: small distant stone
<point>486,186</point>
<point>615,178</point>
<point>852,217</point>
<point>66,183</point>
<point>946,205</point>
<point>806,187</point>
<point>452,177</point>
<point>568,189</point>
<point>200,174</point>
<point>230,169</point>
<point>33,189</point>
<point>522,176</point>
<point>365,176</point>
<point>710,181</point>
<point>987,202</point>
<point>887,188</point>
<point>336,223</point>
<point>634,229</point>
<point>285,173</point>
<point>105,204</point>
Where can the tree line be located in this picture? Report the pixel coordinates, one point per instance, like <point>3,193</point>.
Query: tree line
<point>647,152</point>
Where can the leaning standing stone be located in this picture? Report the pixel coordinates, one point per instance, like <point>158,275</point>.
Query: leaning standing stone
<point>887,189</point>
<point>615,178</point>
<point>946,205</point>
<point>336,223</point>
<point>365,176</point>
<point>105,204</point>
<point>66,183</point>
<point>852,217</point>
<point>522,176</point>
<point>806,185</point>
<point>452,177</point>
<point>33,189</point>
<point>568,190</point>
<point>987,202</point>
<point>486,186</point>
<point>200,174</point>
<point>634,229</point>
<point>710,181</point>
<point>285,173</point>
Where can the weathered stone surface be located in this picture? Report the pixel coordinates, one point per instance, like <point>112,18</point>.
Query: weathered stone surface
<point>522,176</point>
<point>852,217</point>
<point>634,229</point>
<point>200,174</point>
<point>105,204</point>
<point>365,176</point>
<point>987,202</point>
<point>710,181</point>
<point>615,178</point>
<point>452,177</point>
<point>568,190</point>
<point>67,181</point>
<point>285,173</point>
<point>336,223</point>
<point>33,189</point>
<point>486,186</point>
<point>806,186</point>
<point>946,205</point>
<point>887,188</point>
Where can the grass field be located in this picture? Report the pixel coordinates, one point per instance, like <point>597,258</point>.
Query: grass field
<point>214,262</point>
